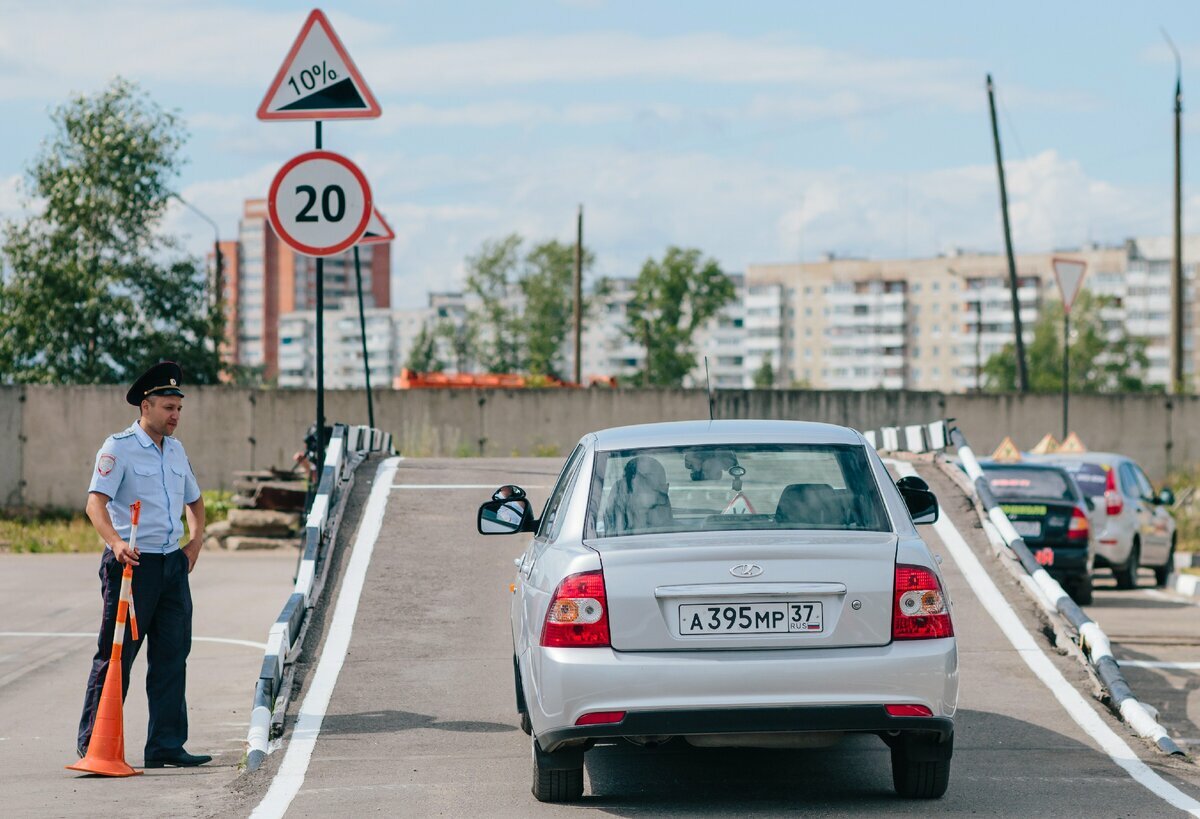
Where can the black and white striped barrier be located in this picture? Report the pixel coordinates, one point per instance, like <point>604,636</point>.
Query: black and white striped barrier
<point>1091,637</point>
<point>347,448</point>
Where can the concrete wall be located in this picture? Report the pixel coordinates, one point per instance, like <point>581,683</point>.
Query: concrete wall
<point>52,433</point>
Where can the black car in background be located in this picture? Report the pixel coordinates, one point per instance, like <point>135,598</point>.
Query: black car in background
<point>1051,513</point>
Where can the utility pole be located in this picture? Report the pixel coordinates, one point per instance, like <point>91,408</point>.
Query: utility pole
<point>1176,384</point>
<point>1018,332</point>
<point>579,295</point>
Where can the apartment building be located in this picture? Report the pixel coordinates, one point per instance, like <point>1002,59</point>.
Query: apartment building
<point>929,324</point>
<point>264,280</point>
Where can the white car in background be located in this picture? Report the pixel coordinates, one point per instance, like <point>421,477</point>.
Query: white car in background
<point>1133,524</point>
<point>736,584</point>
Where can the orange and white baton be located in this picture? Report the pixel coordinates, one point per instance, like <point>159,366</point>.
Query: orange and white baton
<point>126,598</point>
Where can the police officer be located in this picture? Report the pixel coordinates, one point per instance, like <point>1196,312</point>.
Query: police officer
<point>145,463</point>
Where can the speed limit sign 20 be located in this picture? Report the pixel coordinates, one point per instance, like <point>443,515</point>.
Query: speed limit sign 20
<point>319,203</point>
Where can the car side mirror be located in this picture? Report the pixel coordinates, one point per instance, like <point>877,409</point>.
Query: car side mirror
<point>922,504</point>
<point>1166,497</point>
<point>504,516</point>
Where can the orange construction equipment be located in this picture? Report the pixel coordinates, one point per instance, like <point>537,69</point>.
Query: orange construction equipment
<point>106,750</point>
<point>411,380</point>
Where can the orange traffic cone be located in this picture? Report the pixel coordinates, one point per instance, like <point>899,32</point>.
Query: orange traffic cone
<point>106,750</point>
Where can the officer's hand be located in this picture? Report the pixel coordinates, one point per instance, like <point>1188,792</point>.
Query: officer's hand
<point>192,552</point>
<point>126,556</point>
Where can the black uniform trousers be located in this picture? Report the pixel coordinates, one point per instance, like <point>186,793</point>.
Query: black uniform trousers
<point>162,600</point>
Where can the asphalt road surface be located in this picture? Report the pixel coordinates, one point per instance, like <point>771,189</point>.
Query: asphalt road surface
<point>421,720</point>
<point>52,599</point>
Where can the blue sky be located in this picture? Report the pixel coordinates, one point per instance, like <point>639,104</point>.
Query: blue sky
<point>759,132</point>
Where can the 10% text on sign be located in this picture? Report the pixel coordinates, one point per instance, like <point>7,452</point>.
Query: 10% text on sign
<point>319,203</point>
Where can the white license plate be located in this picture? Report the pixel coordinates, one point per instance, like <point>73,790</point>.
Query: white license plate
<point>792,617</point>
<point>1028,528</point>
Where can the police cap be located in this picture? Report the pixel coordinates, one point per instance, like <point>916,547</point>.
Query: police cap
<point>164,378</point>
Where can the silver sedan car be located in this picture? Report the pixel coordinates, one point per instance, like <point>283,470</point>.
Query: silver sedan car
<point>753,584</point>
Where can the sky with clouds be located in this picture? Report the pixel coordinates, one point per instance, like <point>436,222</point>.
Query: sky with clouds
<point>756,131</point>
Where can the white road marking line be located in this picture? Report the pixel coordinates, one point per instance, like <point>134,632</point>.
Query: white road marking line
<point>1157,595</point>
<point>455,486</point>
<point>225,640</point>
<point>290,776</point>
<point>1158,664</point>
<point>1081,710</point>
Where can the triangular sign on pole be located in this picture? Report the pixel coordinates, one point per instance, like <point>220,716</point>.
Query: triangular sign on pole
<point>1072,446</point>
<point>1007,452</point>
<point>1047,446</point>
<point>318,80</point>
<point>1069,273</point>
<point>378,230</point>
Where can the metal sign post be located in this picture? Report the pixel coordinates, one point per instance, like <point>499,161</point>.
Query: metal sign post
<point>318,80</point>
<point>378,232</point>
<point>1069,273</point>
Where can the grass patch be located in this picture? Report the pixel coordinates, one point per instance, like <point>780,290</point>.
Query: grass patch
<point>1187,514</point>
<point>26,532</point>
<point>34,531</point>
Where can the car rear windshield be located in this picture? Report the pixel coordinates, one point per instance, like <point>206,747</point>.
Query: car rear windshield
<point>1092,478</point>
<point>734,486</point>
<point>1009,484</point>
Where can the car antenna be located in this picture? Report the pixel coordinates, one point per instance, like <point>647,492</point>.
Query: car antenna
<point>712,415</point>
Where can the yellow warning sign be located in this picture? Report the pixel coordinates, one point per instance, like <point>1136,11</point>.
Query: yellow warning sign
<point>1007,451</point>
<point>1046,446</point>
<point>1072,446</point>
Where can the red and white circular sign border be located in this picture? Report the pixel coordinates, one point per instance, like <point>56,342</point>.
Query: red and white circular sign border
<point>291,241</point>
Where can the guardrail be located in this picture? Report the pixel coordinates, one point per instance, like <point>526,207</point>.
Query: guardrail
<point>348,447</point>
<point>1092,640</point>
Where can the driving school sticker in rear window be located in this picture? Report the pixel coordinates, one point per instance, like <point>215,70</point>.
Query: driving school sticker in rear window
<point>106,463</point>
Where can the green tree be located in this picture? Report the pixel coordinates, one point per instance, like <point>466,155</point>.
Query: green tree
<point>423,357</point>
<point>671,299</point>
<point>491,278</point>
<point>463,341</point>
<point>93,292</point>
<point>547,284</point>
<point>764,376</point>
<point>1097,364</point>
<point>526,304</point>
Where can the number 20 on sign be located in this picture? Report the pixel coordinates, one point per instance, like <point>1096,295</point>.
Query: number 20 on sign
<point>319,203</point>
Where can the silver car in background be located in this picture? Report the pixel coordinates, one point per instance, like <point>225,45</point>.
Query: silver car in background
<point>734,583</point>
<point>1133,524</point>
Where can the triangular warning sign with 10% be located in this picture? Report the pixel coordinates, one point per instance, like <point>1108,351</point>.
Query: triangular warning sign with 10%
<point>318,80</point>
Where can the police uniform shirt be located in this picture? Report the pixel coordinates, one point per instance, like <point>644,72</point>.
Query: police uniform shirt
<point>130,467</point>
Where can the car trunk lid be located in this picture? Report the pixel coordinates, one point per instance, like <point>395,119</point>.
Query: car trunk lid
<point>748,590</point>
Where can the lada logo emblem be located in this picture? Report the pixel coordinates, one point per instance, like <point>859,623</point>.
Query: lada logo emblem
<point>746,570</point>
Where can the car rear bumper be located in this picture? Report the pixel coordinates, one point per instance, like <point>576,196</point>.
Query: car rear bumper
<point>562,684</point>
<point>851,718</point>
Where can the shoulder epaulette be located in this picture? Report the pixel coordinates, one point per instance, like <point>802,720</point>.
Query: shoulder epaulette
<point>123,434</point>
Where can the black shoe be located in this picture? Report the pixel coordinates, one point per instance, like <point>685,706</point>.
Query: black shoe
<point>178,759</point>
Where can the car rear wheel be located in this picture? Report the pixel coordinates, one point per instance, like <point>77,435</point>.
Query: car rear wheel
<point>1163,573</point>
<point>1126,576</point>
<point>919,770</point>
<point>557,777</point>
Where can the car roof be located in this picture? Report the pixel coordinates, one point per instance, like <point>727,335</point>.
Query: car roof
<point>1044,466</point>
<point>684,433</point>
<point>1102,458</point>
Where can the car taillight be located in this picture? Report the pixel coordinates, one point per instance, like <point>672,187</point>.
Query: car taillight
<point>1112,498</point>
<point>1078,528</point>
<point>578,615</point>
<point>601,718</point>
<point>920,611</point>
<point>908,711</point>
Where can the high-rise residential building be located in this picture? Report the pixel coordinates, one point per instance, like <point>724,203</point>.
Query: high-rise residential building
<point>270,280</point>
<point>928,324</point>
